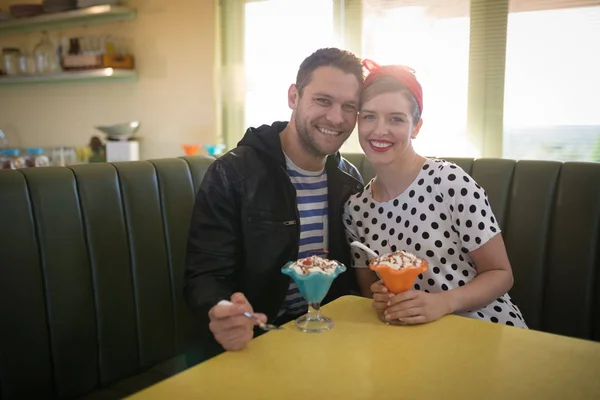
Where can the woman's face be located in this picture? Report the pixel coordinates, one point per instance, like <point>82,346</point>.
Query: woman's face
<point>386,127</point>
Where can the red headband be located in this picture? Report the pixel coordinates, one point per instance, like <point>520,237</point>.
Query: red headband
<point>404,74</point>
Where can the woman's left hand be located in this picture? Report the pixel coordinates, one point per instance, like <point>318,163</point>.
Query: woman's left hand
<point>416,307</point>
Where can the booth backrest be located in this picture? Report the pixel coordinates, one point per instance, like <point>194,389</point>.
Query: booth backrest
<point>549,213</point>
<point>92,260</point>
<point>91,271</point>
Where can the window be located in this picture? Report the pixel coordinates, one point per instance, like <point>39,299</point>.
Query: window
<point>432,37</point>
<point>279,34</point>
<point>552,84</point>
<point>501,78</point>
<point>437,48</point>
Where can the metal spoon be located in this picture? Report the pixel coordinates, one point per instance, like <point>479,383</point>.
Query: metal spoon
<point>261,325</point>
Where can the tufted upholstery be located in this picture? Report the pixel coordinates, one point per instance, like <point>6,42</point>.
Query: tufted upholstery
<point>91,269</point>
<point>92,258</point>
<point>549,213</point>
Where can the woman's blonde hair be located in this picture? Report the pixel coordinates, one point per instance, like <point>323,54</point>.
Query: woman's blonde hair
<point>389,84</point>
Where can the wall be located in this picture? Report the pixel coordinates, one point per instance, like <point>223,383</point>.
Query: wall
<point>175,97</point>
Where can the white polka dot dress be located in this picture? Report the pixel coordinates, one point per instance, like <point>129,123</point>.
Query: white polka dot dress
<point>442,216</point>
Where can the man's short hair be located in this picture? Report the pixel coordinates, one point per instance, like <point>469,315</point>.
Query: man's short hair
<point>328,57</point>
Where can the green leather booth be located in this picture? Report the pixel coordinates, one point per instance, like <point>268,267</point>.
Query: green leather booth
<point>92,259</point>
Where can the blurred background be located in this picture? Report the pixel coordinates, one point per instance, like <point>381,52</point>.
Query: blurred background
<point>502,78</point>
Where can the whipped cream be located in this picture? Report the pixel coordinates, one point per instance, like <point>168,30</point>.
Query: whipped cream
<point>314,265</point>
<point>397,260</point>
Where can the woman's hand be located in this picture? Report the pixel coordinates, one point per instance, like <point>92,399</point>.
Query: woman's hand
<point>381,296</point>
<point>414,307</point>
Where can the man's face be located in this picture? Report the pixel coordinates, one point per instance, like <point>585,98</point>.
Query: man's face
<point>325,114</point>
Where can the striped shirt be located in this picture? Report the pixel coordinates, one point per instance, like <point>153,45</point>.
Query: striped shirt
<point>311,198</point>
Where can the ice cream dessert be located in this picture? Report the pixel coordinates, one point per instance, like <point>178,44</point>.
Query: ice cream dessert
<point>313,275</point>
<point>397,260</point>
<point>398,270</point>
<point>314,264</point>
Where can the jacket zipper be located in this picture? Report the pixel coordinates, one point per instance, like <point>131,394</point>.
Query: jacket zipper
<point>284,223</point>
<point>297,221</point>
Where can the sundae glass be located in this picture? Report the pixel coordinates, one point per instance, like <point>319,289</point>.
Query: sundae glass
<point>398,270</point>
<point>313,276</point>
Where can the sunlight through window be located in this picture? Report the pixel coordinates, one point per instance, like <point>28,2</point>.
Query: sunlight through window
<point>434,41</point>
<point>552,94</point>
<point>279,35</point>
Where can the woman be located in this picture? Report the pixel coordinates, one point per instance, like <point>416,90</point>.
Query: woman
<point>427,207</point>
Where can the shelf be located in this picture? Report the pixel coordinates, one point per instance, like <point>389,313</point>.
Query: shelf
<point>105,74</point>
<point>84,16</point>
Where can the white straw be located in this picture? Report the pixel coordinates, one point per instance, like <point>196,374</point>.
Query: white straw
<point>365,248</point>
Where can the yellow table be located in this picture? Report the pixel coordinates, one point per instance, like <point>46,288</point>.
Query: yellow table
<point>362,358</point>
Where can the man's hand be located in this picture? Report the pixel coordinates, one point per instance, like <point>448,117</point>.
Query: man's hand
<point>228,324</point>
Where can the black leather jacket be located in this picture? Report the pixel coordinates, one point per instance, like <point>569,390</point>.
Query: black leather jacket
<point>245,226</point>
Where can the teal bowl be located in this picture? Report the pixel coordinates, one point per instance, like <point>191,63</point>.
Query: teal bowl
<point>313,287</point>
<point>214,149</point>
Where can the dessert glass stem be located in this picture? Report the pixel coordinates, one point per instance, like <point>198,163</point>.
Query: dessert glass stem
<point>314,321</point>
<point>314,310</point>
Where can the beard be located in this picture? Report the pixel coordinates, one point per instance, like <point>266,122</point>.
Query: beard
<point>307,139</point>
<point>309,136</point>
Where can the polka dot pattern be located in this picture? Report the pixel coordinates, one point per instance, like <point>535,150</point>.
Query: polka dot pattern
<point>442,217</point>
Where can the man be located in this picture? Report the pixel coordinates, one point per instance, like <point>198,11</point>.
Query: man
<point>276,197</point>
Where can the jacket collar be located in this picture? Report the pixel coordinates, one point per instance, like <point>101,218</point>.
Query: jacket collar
<point>265,140</point>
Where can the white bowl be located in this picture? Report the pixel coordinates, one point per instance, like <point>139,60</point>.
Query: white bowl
<point>120,131</point>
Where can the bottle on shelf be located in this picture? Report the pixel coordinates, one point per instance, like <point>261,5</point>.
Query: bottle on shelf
<point>10,60</point>
<point>46,56</point>
<point>36,158</point>
<point>12,159</point>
